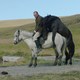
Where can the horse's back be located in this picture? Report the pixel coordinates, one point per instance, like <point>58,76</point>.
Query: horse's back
<point>59,40</point>
<point>48,43</point>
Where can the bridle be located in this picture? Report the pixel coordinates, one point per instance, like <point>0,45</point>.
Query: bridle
<point>18,36</point>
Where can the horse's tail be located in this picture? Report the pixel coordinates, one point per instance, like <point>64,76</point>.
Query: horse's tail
<point>71,47</point>
<point>70,51</point>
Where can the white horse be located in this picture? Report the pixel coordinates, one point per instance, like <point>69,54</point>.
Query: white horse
<point>26,36</point>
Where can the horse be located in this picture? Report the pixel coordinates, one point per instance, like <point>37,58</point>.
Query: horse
<point>55,25</point>
<point>26,36</point>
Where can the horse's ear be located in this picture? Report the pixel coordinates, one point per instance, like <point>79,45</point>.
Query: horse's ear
<point>18,31</point>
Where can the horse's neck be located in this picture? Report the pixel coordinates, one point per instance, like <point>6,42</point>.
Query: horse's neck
<point>30,43</point>
<point>27,37</point>
<point>27,34</point>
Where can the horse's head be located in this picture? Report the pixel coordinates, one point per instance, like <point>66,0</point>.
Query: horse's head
<point>17,36</point>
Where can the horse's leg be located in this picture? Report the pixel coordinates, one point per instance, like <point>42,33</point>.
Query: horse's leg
<point>35,62</point>
<point>70,57</point>
<point>56,58</point>
<point>32,58</point>
<point>67,57</point>
<point>64,51</point>
<point>60,55</point>
<point>70,60</point>
<point>60,59</point>
<point>31,62</point>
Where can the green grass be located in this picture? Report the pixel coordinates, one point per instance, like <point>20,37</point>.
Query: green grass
<point>65,76</point>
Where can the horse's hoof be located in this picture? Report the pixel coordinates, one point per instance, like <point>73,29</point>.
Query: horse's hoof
<point>35,65</point>
<point>30,65</point>
<point>70,63</point>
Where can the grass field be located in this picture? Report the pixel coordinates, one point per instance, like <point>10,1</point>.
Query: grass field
<point>8,48</point>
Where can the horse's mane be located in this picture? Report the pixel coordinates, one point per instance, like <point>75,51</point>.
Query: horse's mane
<point>27,33</point>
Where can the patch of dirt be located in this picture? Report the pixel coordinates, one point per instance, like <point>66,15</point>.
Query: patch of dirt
<point>41,68</point>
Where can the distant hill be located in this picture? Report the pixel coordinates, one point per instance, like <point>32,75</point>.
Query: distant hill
<point>68,20</point>
<point>15,23</point>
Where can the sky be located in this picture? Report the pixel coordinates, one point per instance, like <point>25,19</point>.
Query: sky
<point>23,9</point>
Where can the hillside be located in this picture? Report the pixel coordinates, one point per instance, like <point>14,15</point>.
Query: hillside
<point>15,23</point>
<point>68,20</point>
<point>71,20</point>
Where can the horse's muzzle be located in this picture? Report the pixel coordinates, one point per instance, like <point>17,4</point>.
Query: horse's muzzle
<point>15,43</point>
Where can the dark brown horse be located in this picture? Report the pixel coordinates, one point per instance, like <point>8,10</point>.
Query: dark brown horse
<point>55,25</point>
